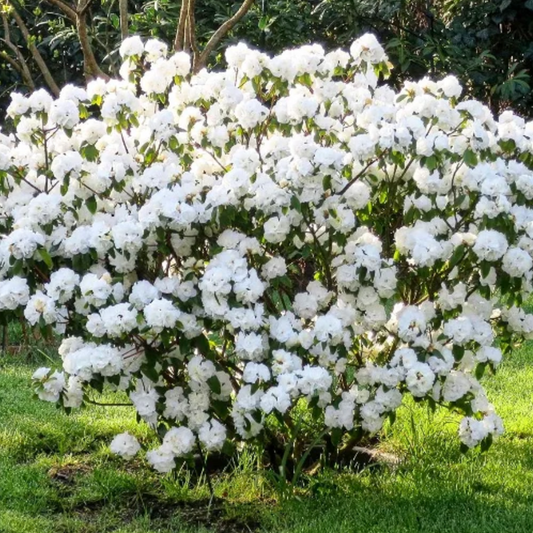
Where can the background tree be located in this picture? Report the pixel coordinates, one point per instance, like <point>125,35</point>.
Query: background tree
<point>488,45</point>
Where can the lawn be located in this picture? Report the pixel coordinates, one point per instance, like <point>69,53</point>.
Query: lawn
<point>57,475</point>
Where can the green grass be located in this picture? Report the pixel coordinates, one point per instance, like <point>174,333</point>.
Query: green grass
<point>57,475</point>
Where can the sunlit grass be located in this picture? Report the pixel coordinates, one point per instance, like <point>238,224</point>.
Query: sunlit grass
<point>58,476</point>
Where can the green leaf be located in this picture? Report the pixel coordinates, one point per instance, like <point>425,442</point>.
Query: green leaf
<point>97,384</point>
<point>228,448</point>
<point>485,268</point>
<point>91,204</point>
<point>221,409</point>
<point>505,4</point>
<point>17,267</point>
<point>63,189</point>
<point>457,255</point>
<point>214,385</point>
<point>431,163</point>
<point>486,443</point>
<point>336,436</point>
<point>257,416</point>
<point>150,372</point>
<point>458,352</point>
<point>480,370</point>
<point>162,430</point>
<point>464,448</point>
<point>470,158</point>
<point>295,204</point>
<point>202,343</point>
<point>89,152</point>
<point>263,23</point>
<point>43,252</point>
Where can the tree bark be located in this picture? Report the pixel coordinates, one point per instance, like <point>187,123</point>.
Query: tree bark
<point>91,67</point>
<point>19,64</point>
<point>78,15</point>
<point>201,61</point>
<point>186,40</point>
<point>178,41</point>
<point>37,57</point>
<point>123,10</point>
<point>69,11</point>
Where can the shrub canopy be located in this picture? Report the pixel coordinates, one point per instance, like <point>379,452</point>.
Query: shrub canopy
<point>282,245</point>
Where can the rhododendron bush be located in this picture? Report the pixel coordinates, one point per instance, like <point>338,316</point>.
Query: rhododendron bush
<point>288,243</point>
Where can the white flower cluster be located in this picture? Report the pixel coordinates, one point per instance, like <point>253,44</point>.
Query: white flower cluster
<point>226,246</point>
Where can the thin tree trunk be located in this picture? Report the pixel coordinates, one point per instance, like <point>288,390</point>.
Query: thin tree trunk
<point>21,66</point>
<point>178,41</point>
<point>38,58</point>
<point>123,9</point>
<point>91,67</point>
<point>186,40</point>
<point>78,15</point>
<point>201,61</point>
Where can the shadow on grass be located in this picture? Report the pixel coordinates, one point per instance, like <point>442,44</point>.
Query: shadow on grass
<point>470,496</point>
<point>56,475</point>
<point>462,497</point>
<point>30,427</point>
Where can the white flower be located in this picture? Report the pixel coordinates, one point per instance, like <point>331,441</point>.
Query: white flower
<point>162,459</point>
<point>367,48</point>
<point>40,100</point>
<point>517,262</point>
<point>153,49</point>
<point>490,245</point>
<point>411,323</point>
<point>161,314</point>
<point>23,243</point>
<point>64,113</point>
<point>455,387</point>
<point>314,379</point>
<point>74,393</point>
<point>40,307</point>
<point>419,379</point>
<point>250,113</point>
<point>274,268</point>
<point>459,330</point>
<point>48,386</point>
<point>254,372</point>
<point>143,293</point>
<point>179,441</point>
<point>131,46</point>
<point>276,229</point>
<point>14,292</point>
<point>489,354</point>
<point>200,369</point>
<point>212,435</point>
<point>62,284</point>
<point>472,431</point>
<point>328,328</point>
<point>277,398</point>
<point>253,239</point>
<point>145,401</point>
<point>450,86</point>
<point>125,445</point>
<point>305,305</point>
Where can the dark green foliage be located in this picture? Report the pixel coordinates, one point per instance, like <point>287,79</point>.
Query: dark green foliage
<point>488,44</point>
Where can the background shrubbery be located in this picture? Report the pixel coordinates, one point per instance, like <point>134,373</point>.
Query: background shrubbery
<point>488,45</point>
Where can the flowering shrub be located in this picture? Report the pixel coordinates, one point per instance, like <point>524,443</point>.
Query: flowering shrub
<point>281,241</point>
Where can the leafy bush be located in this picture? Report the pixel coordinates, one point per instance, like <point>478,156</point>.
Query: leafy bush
<point>274,253</point>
